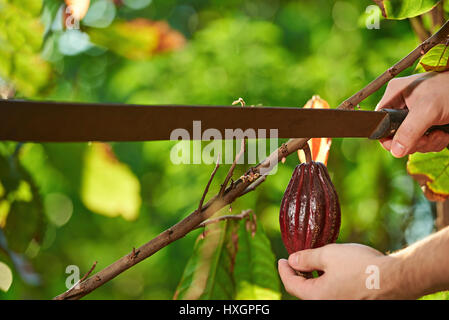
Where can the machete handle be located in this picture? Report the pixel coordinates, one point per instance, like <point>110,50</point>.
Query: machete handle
<point>388,126</point>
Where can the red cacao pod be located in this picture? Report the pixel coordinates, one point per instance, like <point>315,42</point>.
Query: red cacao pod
<point>310,211</point>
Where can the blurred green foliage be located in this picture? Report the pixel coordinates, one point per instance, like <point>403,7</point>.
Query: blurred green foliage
<point>270,52</point>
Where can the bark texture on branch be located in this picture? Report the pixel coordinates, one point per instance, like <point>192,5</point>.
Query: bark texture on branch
<point>242,185</point>
<point>442,219</point>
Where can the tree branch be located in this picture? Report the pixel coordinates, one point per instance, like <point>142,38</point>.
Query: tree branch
<point>439,37</point>
<point>240,216</point>
<point>240,187</point>
<point>69,293</point>
<point>231,170</point>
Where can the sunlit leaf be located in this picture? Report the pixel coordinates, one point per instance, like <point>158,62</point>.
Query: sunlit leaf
<point>137,39</point>
<point>435,60</point>
<point>21,36</point>
<point>255,274</point>
<point>443,295</point>
<point>431,170</point>
<point>108,186</point>
<point>402,9</point>
<point>5,277</point>
<point>319,147</point>
<point>21,212</point>
<point>31,6</point>
<point>208,274</point>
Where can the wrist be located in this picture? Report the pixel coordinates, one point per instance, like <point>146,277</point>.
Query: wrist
<point>396,281</point>
<point>400,279</point>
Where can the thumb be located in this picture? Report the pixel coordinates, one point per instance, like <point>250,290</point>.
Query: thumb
<point>307,260</point>
<point>409,132</point>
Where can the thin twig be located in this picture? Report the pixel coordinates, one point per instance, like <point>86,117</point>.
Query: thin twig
<point>239,100</point>
<point>219,201</point>
<point>240,216</point>
<point>200,206</point>
<point>89,272</point>
<point>231,170</point>
<point>68,292</point>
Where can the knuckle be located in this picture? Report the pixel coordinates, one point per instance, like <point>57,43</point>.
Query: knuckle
<point>405,130</point>
<point>303,258</point>
<point>294,258</point>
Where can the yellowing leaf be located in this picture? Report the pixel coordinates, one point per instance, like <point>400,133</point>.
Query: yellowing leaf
<point>431,170</point>
<point>108,186</point>
<point>5,277</point>
<point>437,59</point>
<point>137,39</point>
<point>319,147</point>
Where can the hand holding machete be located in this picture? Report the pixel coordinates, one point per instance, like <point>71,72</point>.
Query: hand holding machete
<point>427,98</point>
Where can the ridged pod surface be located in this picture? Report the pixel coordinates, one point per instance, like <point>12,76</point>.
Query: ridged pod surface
<point>310,211</point>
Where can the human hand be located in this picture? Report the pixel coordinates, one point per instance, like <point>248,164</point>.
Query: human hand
<point>345,273</point>
<point>427,98</point>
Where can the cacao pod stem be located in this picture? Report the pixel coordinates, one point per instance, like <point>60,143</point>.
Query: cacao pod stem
<point>307,152</point>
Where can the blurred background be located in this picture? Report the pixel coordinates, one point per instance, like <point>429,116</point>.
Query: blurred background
<point>73,204</point>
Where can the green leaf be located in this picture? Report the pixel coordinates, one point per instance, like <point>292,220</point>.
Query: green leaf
<point>232,261</point>
<point>402,9</point>
<point>21,211</point>
<point>255,274</point>
<point>5,277</point>
<point>443,295</point>
<point>108,186</point>
<point>437,59</point>
<point>208,274</point>
<point>24,223</point>
<point>431,170</point>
